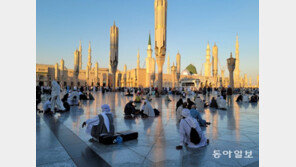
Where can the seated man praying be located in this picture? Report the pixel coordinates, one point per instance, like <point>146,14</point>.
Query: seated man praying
<point>101,124</point>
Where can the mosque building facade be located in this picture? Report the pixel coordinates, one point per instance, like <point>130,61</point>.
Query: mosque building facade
<point>147,76</point>
<point>93,75</point>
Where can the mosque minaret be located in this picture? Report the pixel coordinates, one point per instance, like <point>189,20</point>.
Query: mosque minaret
<point>178,63</point>
<point>76,64</point>
<point>237,70</point>
<point>89,64</point>
<point>160,11</point>
<point>150,64</point>
<point>215,61</point>
<point>113,52</point>
<point>208,61</point>
<point>80,56</point>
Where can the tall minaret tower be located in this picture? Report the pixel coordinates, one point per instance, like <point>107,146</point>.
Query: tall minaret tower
<point>114,51</point>
<point>124,75</point>
<point>208,62</point>
<point>80,55</point>
<point>215,61</point>
<point>236,70</point>
<point>96,71</point>
<point>62,67</point>
<point>89,57</point>
<point>160,11</point>
<point>149,63</point>
<point>138,60</point>
<point>168,63</point>
<point>76,65</point>
<point>178,63</point>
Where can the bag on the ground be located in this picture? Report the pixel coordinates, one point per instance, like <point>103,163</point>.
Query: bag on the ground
<point>128,135</point>
<point>111,139</point>
<point>194,136</point>
<point>108,139</point>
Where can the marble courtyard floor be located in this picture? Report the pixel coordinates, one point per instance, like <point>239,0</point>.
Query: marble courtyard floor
<point>62,142</point>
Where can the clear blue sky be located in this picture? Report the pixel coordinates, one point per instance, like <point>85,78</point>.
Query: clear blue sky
<point>190,25</point>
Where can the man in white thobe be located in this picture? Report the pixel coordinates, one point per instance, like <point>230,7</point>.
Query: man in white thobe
<point>187,122</point>
<point>55,97</point>
<point>221,102</point>
<point>73,98</point>
<point>148,110</point>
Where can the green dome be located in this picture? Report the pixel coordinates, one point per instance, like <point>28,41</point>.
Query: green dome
<point>191,68</point>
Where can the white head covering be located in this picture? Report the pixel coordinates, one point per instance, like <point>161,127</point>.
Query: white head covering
<point>75,88</point>
<point>106,110</point>
<point>188,118</point>
<point>185,112</point>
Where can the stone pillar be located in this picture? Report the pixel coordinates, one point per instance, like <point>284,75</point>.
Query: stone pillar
<point>231,67</point>
<point>178,68</point>
<point>114,52</point>
<point>96,72</point>
<point>76,67</point>
<point>56,72</point>
<point>62,71</point>
<point>173,74</point>
<point>160,10</point>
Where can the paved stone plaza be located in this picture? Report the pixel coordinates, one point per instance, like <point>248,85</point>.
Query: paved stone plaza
<point>62,142</point>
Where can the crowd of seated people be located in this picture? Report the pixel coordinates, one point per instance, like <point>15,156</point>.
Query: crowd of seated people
<point>188,113</point>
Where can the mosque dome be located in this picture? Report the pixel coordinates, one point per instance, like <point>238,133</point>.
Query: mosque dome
<point>191,68</point>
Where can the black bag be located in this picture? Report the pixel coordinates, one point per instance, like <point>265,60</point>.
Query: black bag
<point>156,112</point>
<point>128,135</point>
<point>108,139</point>
<point>194,136</point>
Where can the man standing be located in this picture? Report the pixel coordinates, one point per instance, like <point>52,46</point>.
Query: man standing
<point>55,97</point>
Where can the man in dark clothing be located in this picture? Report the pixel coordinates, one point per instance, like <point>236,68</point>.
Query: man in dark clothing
<point>213,103</point>
<point>179,103</point>
<point>129,108</point>
<point>223,92</point>
<point>239,98</point>
<point>254,98</point>
<point>229,91</point>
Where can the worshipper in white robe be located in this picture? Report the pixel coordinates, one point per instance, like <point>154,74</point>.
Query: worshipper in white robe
<point>199,104</point>
<point>73,98</point>
<point>148,109</point>
<point>187,122</point>
<point>107,117</point>
<point>221,102</point>
<point>55,96</point>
